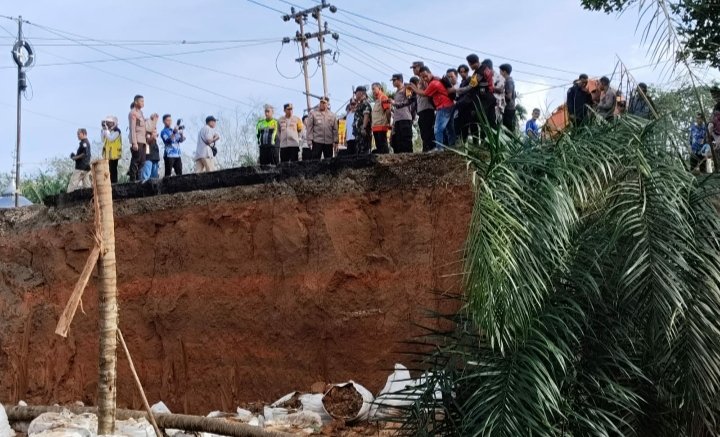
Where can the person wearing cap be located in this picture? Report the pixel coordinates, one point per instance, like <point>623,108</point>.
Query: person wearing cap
<point>402,132</point>
<point>322,131</point>
<point>362,129</point>
<point>380,119</point>
<point>112,145</point>
<point>290,129</point>
<point>268,138</point>
<point>509,97</point>
<point>640,103</point>
<point>579,100</point>
<point>206,146</point>
<point>425,112</point>
<point>444,107</point>
<point>479,93</point>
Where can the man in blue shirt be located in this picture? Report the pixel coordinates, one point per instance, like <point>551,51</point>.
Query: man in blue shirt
<point>172,137</point>
<point>531,127</point>
<point>699,143</point>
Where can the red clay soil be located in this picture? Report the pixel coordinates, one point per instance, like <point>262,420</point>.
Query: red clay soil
<point>343,402</point>
<point>238,294</point>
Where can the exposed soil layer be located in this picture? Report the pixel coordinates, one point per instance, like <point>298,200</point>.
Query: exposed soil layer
<point>242,293</point>
<point>343,402</point>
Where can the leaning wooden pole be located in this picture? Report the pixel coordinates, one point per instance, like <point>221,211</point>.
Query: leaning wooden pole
<point>107,292</point>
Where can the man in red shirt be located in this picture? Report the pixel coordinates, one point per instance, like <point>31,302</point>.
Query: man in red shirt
<point>444,131</point>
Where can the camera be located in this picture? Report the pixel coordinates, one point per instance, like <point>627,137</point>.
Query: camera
<point>104,124</point>
<point>180,126</point>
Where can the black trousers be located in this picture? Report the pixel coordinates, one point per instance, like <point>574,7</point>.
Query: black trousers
<point>306,154</point>
<point>402,136</point>
<point>488,102</point>
<point>426,121</point>
<point>381,142</point>
<point>289,154</point>
<point>114,171</point>
<point>269,155</point>
<point>352,147</point>
<point>509,119</point>
<point>137,161</point>
<point>321,151</point>
<point>172,164</point>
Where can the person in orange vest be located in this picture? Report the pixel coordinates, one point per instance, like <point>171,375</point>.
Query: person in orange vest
<point>380,119</point>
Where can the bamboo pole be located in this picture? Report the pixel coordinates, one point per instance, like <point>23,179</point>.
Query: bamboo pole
<point>68,314</point>
<point>165,421</point>
<point>107,293</point>
<point>138,384</point>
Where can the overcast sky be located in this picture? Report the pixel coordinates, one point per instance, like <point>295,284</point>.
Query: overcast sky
<point>548,43</point>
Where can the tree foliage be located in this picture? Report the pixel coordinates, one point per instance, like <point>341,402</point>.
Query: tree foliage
<point>592,304</point>
<point>697,22</point>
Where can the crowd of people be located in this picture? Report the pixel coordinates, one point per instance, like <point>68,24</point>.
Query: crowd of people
<point>447,108</point>
<point>460,105</point>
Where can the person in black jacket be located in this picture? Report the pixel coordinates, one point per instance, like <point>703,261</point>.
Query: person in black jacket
<point>578,101</point>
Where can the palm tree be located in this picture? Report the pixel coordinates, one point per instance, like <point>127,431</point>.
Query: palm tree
<point>592,303</point>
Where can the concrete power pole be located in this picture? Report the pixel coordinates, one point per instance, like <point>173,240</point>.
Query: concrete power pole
<point>24,57</point>
<point>301,37</point>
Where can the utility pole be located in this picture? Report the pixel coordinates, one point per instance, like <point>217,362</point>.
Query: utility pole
<point>321,37</point>
<point>302,38</point>
<point>24,57</point>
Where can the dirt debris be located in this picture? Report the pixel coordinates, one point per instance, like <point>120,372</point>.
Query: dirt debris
<point>343,402</point>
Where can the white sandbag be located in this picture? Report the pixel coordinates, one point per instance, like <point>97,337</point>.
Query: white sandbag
<point>160,408</point>
<point>399,391</point>
<point>295,421</point>
<point>5,429</point>
<point>244,415</point>
<point>364,411</point>
<point>280,402</point>
<point>134,428</point>
<point>55,424</point>
<point>314,404</point>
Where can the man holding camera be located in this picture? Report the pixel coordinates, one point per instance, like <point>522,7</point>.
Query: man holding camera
<point>112,145</point>
<point>206,149</point>
<point>172,137</point>
<point>81,176</point>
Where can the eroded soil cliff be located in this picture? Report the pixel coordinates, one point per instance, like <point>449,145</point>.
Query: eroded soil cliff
<point>238,294</point>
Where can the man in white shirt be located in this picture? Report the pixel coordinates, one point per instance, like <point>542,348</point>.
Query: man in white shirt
<point>206,151</point>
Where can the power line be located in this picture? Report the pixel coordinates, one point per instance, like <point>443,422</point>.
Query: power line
<point>131,42</point>
<point>426,58</point>
<point>106,60</point>
<point>202,67</point>
<point>135,81</point>
<point>444,53</point>
<point>393,26</point>
<point>354,72</point>
<point>145,68</point>
<point>267,7</point>
<point>368,58</point>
